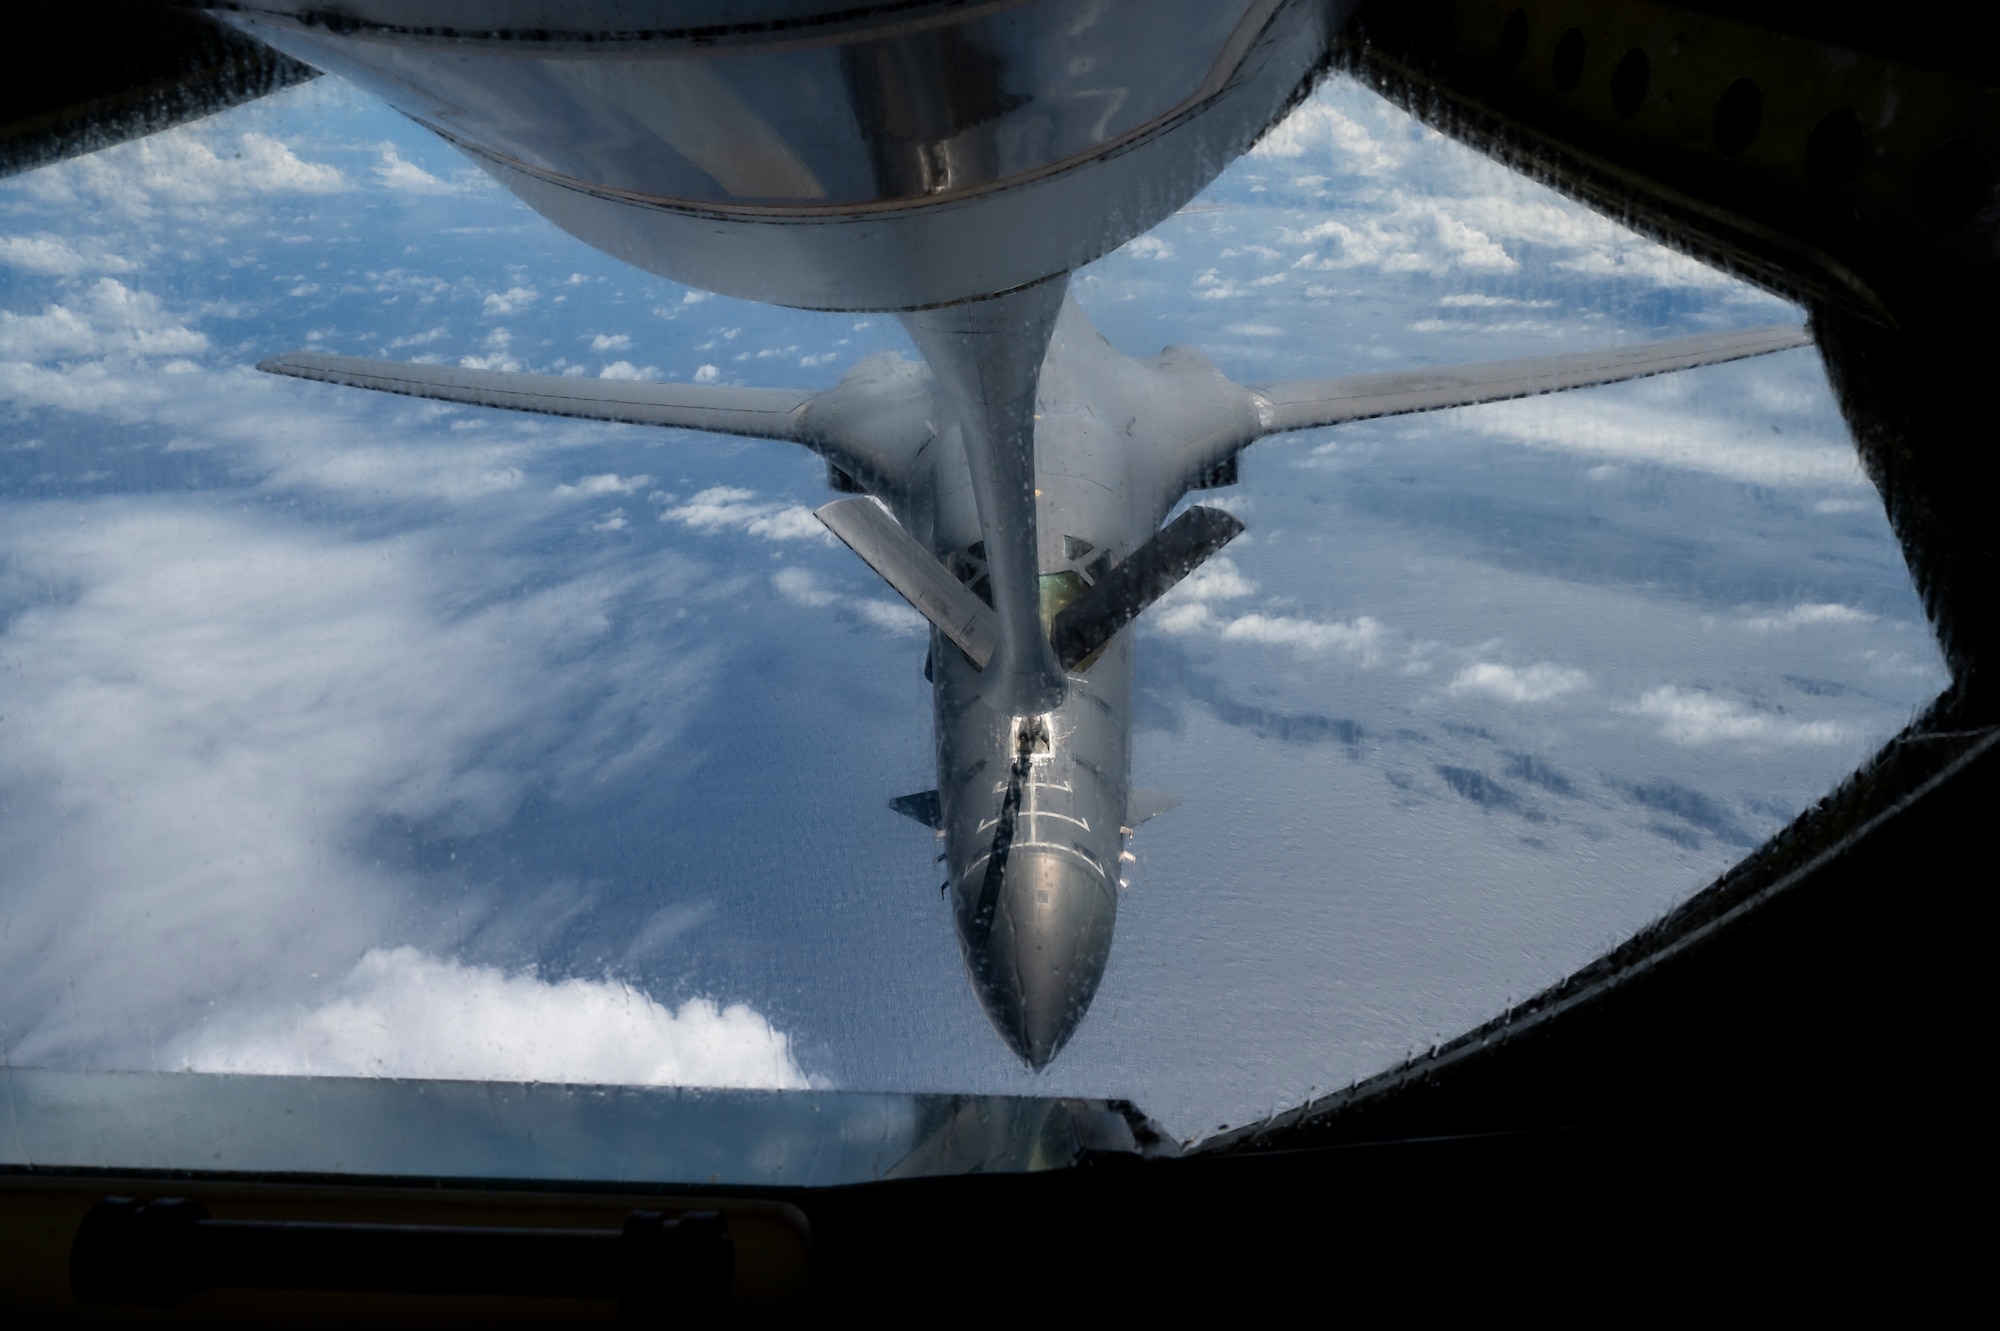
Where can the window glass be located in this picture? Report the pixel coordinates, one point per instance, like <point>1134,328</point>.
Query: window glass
<point>343,733</point>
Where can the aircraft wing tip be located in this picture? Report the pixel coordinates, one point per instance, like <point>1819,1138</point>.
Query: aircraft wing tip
<point>289,362</point>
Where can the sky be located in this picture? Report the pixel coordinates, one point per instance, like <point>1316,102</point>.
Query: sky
<point>349,734</point>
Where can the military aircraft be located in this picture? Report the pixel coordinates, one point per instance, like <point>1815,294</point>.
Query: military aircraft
<point>952,163</point>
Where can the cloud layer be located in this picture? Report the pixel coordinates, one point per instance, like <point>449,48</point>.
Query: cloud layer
<point>403,1013</point>
<point>200,727</point>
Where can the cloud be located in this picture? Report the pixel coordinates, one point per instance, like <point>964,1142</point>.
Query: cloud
<point>201,712</point>
<point>1696,717</point>
<point>1150,247</point>
<point>1216,580</point>
<point>1654,264</point>
<point>610,342</point>
<point>725,508</point>
<point>1439,209</point>
<point>1804,614</point>
<point>189,170</point>
<point>803,587</point>
<point>1480,301</point>
<point>295,435</point>
<point>1417,234</point>
<point>385,472</point>
<point>1667,435</point>
<point>1320,127</point>
<point>1360,638</point>
<point>1541,682</point>
<point>52,256</point>
<point>1210,285</point>
<point>707,374</point>
<point>404,1013</point>
<point>1187,617</point>
<point>893,616</point>
<point>394,172</point>
<point>418,339</point>
<point>110,320</point>
<point>1509,209</point>
<point>1185,608</point>
<point>1534,326</point>
<point>610,483</point>
<point>511,301</point>
<point>1190,607</point>
<point>1497,204</point>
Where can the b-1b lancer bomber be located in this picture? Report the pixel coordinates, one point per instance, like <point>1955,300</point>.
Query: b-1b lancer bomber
<point>952,163</point>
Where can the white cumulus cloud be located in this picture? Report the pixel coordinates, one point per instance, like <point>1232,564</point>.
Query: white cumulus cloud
<point>1320,128</point>
<point>1193,607</point>
<point>190,170</point>
<point>1418,234</point>
<point>1216,580</point>
<point>111,319</point>
<point>1695,717</point>
<point>195,730</point>
<point>52,256</point>
<point>1806,614</point>
<point>511,301</point>
<point>727,508</point>
<point>1667,434</point>
<point>1360,638</point>
<point>401,1012</point>
<point>1541,682</point>
<point>803,587</point>
<point>609,483</point>
<point>397,172</point>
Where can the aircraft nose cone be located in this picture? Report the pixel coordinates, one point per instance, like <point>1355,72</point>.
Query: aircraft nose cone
<point>1037,965</point>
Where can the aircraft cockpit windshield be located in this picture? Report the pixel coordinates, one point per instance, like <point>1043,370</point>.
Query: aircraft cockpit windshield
<point>666,682</point>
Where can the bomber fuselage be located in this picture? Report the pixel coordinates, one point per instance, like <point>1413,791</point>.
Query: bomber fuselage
<point>1037,809</point>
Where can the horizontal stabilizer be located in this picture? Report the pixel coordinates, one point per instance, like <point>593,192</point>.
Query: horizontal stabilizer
<point>760,413</point>
<point>1309,402</point>
<point>916,575</point>
<point>1143,804</point>
<point>1088,622</point>
<point>922,807</point>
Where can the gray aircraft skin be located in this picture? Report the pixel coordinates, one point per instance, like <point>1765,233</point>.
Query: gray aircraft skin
<point>1034,807</point>
<point>1012,484</point>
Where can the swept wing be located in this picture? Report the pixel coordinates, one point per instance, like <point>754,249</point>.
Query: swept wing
<point>871,426</point>
<point>1303,404</point>
<point>760,413</point>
